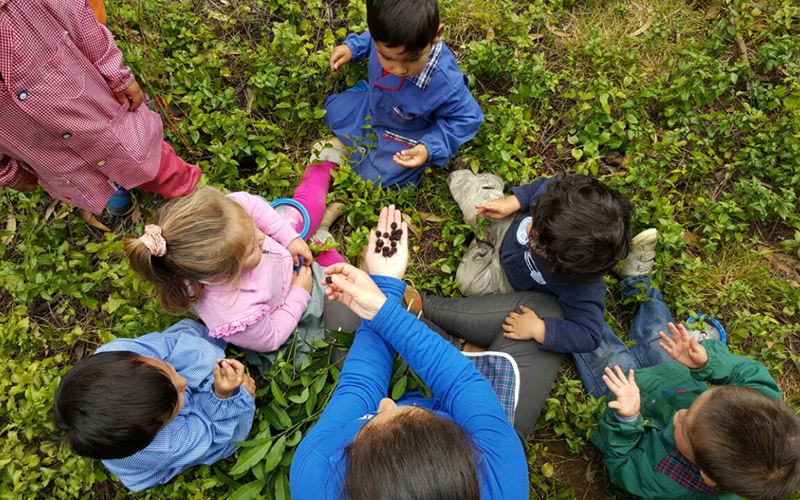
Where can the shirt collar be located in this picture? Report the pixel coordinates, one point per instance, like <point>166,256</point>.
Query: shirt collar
<point>423,79</point>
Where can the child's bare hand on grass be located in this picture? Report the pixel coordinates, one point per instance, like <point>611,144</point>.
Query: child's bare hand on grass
<point>133,94</point>
<point>625,389</point>
<point>524,326</point>
<point>229,374</point>
<point>412,158</point>
<point>498,209</point>
<point>340,56</point>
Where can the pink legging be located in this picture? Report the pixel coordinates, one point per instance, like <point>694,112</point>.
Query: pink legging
<point>312,194</point>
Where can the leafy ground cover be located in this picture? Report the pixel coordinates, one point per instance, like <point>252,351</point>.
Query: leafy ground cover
<point>691,108</point>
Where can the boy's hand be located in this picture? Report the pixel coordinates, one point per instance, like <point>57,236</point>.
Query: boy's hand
<point>340,56</point>
<point>412,158</point>
<point>498,209</point>
<point>525,326</point>
<point>299,248</point>
<point>29,182</point>
<point>228,376</point>
<point>133,93</point>
<point>625,389</point>
<point>304,279</point>
<point>685,349</point>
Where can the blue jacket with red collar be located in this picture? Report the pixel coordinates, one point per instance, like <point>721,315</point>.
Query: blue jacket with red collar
<point>435,108</point>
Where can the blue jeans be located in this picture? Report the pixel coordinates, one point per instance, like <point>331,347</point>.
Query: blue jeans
<point>651,317</point>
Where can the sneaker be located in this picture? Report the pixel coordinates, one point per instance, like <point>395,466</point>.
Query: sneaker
<point>332,150</point>
<point>639,261</point>
<point>121,203</point>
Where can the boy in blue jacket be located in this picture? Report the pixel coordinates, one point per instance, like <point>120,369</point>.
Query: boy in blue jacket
<point>416,109</point>
<point>555,235</point>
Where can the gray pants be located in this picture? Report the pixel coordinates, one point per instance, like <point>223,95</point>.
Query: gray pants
<point>479,321</point>
<point>480,271</point>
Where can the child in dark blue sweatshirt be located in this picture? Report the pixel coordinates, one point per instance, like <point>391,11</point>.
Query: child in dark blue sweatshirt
<point>555,235</point>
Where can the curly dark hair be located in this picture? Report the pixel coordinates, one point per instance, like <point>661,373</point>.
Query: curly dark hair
<point>581,226</point>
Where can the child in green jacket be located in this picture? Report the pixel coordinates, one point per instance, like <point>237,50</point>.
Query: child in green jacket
<point>666,435</point>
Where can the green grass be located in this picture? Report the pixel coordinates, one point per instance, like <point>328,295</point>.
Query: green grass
<point>704,143</point>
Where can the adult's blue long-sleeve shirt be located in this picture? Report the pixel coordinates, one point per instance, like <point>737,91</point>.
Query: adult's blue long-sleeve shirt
<point>206,428</point>
<point>441,114</point>
<point>459,391</point>
<point>583,303</point>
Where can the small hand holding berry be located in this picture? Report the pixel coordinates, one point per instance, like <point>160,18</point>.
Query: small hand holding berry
<point>684,349</point>
<point>299,248</point>
<point>133,94</point>
<point>498,209</point>
<point>412,158</point>
<point>625,389</point>
<point>229,374</point>
<point>304,278</point>
<point>526,325</point>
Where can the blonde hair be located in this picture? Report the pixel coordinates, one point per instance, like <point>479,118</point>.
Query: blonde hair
<point>208,236</point>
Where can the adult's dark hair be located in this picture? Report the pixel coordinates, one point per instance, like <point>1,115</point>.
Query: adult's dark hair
<point>112,404</point>
<point>748,443</point>
<point>403,23</point>
<point>416,456</point>
<point>581,226</point>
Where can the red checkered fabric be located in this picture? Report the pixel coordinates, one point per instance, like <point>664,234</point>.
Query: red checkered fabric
<point>59,69</point>
<point>679,468</point>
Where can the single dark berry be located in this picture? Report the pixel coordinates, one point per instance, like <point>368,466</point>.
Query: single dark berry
<point>379,243</point>
<point>385,235</point>
<point>394,225</point>
<point>394,251</point>
<point>328,279</point>
<point>377,249</point>
<point>378,234</point>
<point>394,244</point>
<point>386,251</point>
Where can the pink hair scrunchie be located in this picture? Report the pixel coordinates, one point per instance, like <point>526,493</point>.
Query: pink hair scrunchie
<point>153,240</point>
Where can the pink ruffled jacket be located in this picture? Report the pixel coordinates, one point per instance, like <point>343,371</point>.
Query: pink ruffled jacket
<point>263,311</point>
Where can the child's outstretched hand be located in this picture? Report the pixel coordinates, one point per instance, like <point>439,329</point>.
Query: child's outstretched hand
<point>229,374</point>
<point>684,349</point>
<point>133,93</point>
<point>299,248</point>
<point>625,389</point>
<point>524,326</point>
<point>498,209</point>
<point>340,56</point>
<point>412,158</point>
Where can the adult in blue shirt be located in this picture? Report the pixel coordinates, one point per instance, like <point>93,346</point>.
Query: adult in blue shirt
<point>457,444</point>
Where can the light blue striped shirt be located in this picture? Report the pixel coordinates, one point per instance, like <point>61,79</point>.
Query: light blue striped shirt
<point>207,426</point>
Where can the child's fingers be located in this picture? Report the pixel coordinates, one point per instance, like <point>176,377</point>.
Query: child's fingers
<point>525,309</point>
<point>615,405</point>
<point>508,328</point>
<point>683,331</point>
<point>676,333</point>
<point>512,315</point>
<point>620,375</point>
<point>610,383</point>
<point>631,378</point>
<point>666,349</point>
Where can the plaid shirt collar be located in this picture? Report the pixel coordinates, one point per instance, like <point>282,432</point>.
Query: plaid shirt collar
<point>423,79</point>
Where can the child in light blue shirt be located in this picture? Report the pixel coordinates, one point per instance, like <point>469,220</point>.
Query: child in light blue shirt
<point>153,406</point>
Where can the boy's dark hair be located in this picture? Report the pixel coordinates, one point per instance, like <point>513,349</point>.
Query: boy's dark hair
<point>112,404</point>
<point>403,23</point>
<point>581,227</point>
<point>748,443</point>
<point>419,456</point>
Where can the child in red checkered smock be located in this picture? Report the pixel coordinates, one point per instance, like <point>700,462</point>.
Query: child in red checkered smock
<point>72,119</point>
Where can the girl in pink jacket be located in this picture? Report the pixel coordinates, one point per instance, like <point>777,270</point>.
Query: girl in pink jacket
<point>232,259</point>
<point>72,116</point>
